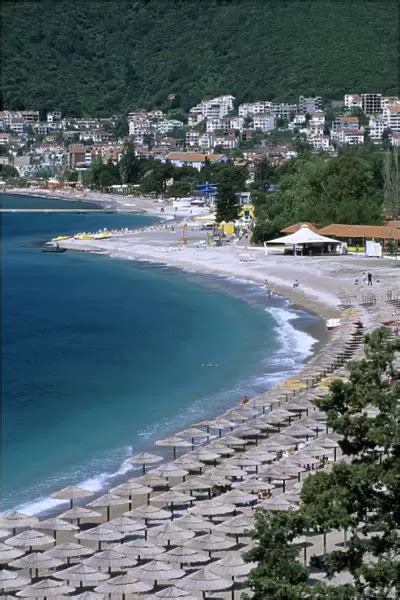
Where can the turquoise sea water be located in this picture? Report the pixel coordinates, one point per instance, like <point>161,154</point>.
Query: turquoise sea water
<point>103,356</point>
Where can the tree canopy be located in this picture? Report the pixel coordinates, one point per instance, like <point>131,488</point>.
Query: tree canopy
<point>99,58</point>
<point>360,494</point>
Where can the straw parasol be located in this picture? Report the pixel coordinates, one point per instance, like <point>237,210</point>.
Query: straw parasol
<point>237,497</point>
<point>157,570</point>
<point>277,504</point>
<point>206,455</point>
<point>123,585</point>
<point>189,463</point>
<point>7,554</point>
<point>169,470</point>
<point>147,512</point>
<point>102,533</point>
<point>211,508</point>
<point>253,485</point>
<point>194,523</point>
<point>173,592</point>
<point>238,526</point>
<point>69,550</point>
<point>171,498</point>
<point>219,447</point>
<point>169,534</point>
<point>183,555</point>
<point>174,442</point>
<point>231,566</point>
<point>235,442</point>
<point>82,575</point>
<point>107,501</point>
<point>71,493</point>
<point>226,469</point>
<point>9,581</point>
<point>126,525</point>
<point>203,581</point>
<point>144,459</point>
<point>112,560</point>
<point>194,433</point>
<point>15,520</point>
<point>5,533</point>
<point>90,596</point>
<point>30,538</point>
<point>79,513</point>
<point>132,488</point>
<point>211,543</point>
<point>45,588</point>
<point>35,561</point>
<point>57,524</point>
<point>140,549</point>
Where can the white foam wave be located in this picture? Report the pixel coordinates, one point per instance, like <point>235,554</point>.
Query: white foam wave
<point>296,345</point>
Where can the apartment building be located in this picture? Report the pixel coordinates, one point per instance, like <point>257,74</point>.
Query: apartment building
<point>352,101</point>
<point>309,105</point>
<point>264,122</point>
<point>391,114</point>
<point>371,104</point>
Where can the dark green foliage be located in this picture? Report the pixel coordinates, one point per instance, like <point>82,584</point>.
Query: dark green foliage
<point>361,496</point>
<point>322,190</point>
<point>98,58</point>
<point>7,171</point>
<point>230,180</point>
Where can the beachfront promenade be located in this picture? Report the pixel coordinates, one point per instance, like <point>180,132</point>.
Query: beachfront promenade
<point>179,527</point>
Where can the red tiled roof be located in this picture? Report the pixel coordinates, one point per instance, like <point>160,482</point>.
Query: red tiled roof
<point>380,232</point>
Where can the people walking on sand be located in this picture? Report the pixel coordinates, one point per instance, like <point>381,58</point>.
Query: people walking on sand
<point>369,279</point>
<point>364,278</point>
<point>296,283</point>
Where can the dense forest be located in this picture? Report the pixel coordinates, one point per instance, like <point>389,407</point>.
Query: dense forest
<point>100,58</point>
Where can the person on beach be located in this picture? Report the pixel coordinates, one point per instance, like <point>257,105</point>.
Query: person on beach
<point>364,278</point>
<point>369,279</point>
<point>296,283</point>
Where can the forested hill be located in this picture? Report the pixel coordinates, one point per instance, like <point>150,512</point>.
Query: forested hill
<point>94,57</point>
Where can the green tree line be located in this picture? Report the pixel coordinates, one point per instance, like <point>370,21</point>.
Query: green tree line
<point>91,57</point>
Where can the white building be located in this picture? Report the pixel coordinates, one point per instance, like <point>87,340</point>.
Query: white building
<point>53,116</point>
<point>377,126</point>
<point>352,137</point>
<point>206,141</point>
<point>193,159</point>
<point>236,123</point>
<point>320,142</point>
<point>215,108</point>
<point>192,139</point>
<point>228,142</point>
<point>391,113</point>
<point>165,125</point>
<point>264,122</point>
<point>139,126</point>
<point>352,101</point>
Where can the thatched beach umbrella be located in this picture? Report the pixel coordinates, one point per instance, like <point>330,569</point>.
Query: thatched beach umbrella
<point>35,561</point>
<point>171,498</point>
<point>107,501</point>
<point>173,592</point>
<point>189,463</point>
<point>231,566</point>
<point>8,553</point>
<point>253,485</point>
<point>10,580</point>
<point>234,441</point>
<point>79,514</point>
<point>183,555</point>
<point>132,488</point>
<point>69,550</point>
<point>169,534</point>
<point>144,459</point>
<point>174,442</point>
<point>126,525</point>
<point>169,470</point>
<point>277,504</point>
<point>81,575</point>
<point>141,549</point>
<point>211,543</point>
<point>111,560</point>
<point>157,570</point>
<point>226,469</point>
<point>204,581</point>
<point>90,596</point>
<point>237,497</point>
<point>71,493</point>
<point>30,538</point>
<point>194,523</point>
<point>238,526</point>
<point>220,448</point>
<point>212,508</point>
<point>206,455</point>
<point>148,512</point>
<point>45,588</point>
<point>123,585</point>
<point>56,524</point>
<point>102,533</point>
<point>16,520</point>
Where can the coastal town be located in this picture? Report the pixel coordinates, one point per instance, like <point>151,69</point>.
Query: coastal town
<point>39,145</point>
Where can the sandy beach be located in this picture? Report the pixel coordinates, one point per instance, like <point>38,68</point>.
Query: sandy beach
<point>253,438</point>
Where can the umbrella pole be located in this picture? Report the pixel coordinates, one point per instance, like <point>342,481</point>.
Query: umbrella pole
<point>144,469</point>
<point>71,503</point>
<point>174,452</point>
<point>109,511</point>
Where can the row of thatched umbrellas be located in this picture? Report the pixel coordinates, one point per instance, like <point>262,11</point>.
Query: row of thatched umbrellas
<point>166,544</point>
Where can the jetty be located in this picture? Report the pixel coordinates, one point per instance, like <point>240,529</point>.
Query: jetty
<point>58,210</point>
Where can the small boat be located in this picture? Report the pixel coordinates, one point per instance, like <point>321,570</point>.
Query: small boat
<point>53,249</point>
<point>332,323</point>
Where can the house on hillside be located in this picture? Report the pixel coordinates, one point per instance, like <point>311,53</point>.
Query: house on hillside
<point>193,159</point>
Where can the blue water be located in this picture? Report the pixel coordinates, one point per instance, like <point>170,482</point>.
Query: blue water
<point>102,356</point>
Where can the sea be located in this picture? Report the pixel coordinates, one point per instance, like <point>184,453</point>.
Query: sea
<point>103,356</point>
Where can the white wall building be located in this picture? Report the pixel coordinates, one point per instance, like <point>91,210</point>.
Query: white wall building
<point>320,142</point>
<point>192,139</point>
<point>377,126</point>
<point>264,122</point>
<point>352,101</point>
<point>391,113</point>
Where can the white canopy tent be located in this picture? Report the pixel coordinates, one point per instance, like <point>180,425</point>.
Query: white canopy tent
<point>301,237</point>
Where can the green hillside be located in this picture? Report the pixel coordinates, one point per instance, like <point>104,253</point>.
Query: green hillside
<point>99,58</point>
